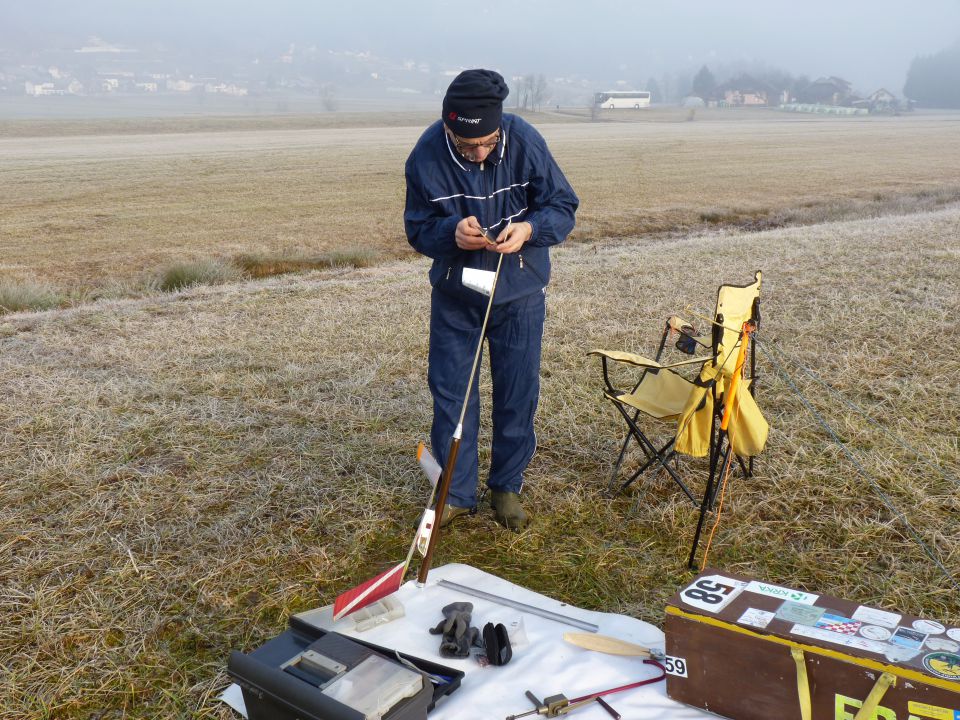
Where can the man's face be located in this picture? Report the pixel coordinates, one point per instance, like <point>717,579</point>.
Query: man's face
<point>474,149</point>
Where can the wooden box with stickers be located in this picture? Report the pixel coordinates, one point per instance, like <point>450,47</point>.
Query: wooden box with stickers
<point>749,650</point>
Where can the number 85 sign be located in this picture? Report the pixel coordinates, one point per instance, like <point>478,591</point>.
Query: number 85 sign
<point>712,593</point>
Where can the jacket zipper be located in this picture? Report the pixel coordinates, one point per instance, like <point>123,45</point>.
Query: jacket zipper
<point>486,211</point>
<point>521,260</point>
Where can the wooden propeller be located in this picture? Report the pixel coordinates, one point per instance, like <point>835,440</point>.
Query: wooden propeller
<point>608,645</point>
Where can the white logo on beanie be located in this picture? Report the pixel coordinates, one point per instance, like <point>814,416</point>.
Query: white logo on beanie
<point>472,121</point>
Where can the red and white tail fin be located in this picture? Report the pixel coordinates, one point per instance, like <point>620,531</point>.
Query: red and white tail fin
<point>386,583</point>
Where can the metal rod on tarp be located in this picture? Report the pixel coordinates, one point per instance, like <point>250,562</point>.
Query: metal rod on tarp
<point>516,604</point>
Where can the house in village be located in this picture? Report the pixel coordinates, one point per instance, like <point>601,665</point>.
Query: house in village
<point>828,91</point>
<point>880,102</point>
<point>745,91</point>
<point>41,81</point>
<point>39,89</point>
<point>883,101</point>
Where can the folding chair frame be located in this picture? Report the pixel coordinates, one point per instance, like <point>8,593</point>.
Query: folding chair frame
<point>719,444</point>
<point>646,445</point>
<point>720,447</point>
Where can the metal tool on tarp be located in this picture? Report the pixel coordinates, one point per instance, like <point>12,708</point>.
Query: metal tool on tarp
<point>559,704</point>
<point>517,605</point>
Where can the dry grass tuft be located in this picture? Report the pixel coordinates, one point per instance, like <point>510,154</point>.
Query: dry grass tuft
<point>264,265</point>
<point>23,295</point>
<point>198,272</point>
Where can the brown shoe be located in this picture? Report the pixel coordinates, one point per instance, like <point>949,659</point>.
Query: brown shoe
<point>508,511</point>
<point>451,513</point>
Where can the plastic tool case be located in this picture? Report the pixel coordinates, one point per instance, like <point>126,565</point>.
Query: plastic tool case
<point>749,650</point>
<point>310,674</point>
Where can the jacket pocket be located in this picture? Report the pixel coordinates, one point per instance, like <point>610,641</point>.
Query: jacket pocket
<point>527,266</point>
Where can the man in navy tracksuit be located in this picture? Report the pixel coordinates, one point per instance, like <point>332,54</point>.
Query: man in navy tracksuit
<point>481,184</point>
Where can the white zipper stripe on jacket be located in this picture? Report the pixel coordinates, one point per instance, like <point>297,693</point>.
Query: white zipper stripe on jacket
<point>507,219</point>
<point>481,197</point>
<point>450,150</point>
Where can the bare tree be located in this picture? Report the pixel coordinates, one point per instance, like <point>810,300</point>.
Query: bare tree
<point>524,92</point>
<point>539,91</point>
<point>328,97</point>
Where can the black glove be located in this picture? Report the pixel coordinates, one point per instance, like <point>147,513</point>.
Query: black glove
<point>458,636</point>
<point>496,642</point>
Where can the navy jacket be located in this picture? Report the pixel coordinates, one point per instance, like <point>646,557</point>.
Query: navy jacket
<point>518,182</point>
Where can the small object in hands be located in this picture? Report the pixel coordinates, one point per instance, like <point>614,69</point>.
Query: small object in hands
<point>496,642</point>
<point>488,237</point>
<point>458,636</point>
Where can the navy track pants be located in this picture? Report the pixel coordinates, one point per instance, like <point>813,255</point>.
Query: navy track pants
<point>514,337</point>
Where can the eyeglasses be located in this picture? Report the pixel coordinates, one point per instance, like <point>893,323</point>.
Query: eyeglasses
<point>464,147</point>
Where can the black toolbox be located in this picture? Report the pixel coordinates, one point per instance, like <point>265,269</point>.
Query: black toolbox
<point>290,677</point>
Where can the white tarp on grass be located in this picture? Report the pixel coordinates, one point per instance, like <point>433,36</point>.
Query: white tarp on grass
<point>546,665</point>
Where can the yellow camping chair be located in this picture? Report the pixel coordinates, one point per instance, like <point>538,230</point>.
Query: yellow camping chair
<point>692,405</point>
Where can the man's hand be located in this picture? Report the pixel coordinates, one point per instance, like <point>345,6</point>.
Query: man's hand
<point>513,237</point>
<point>469,235</point>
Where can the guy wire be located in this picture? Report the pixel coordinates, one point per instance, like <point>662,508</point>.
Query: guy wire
<point>884,498</point>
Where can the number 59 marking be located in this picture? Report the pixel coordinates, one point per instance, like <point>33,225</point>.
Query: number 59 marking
<point>675,666</point>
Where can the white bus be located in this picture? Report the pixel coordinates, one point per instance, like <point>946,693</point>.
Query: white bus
<point>614,99</point>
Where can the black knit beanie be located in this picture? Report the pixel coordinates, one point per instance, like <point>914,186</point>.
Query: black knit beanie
<point>473,105</point>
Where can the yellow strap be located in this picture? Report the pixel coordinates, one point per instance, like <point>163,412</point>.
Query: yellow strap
<point>867,712</point>
<point>803,684</point>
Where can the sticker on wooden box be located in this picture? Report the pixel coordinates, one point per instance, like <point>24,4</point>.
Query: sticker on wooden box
<point>875,632</point>
<point>934,712</point>
<point>850,641</point>
<point>943,664</point>
<point>939,643</point>
<point>838,624</point>
<point>755,617</point>
<point>876,617</point>
<point>908,638</point>
<point>794,612</point>
<point>930,627</point>
<point>712,593</point>
<point>898,654</point>
<point>783,593</point>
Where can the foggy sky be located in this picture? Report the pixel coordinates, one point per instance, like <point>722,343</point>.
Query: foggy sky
<point>868,42</point>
